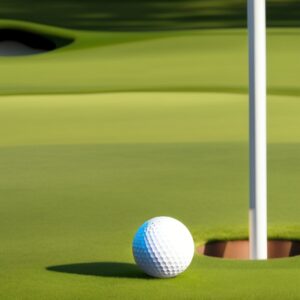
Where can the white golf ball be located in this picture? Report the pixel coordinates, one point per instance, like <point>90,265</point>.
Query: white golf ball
<point>163,247</point>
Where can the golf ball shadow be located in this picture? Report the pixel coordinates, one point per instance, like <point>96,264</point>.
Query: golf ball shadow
<point>102,269</point>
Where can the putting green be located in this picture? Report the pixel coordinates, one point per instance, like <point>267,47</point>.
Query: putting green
<point>116,128</point>
<point>80,173</point>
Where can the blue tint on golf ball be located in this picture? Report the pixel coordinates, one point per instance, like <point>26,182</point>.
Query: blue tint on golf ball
<point>163,247</point>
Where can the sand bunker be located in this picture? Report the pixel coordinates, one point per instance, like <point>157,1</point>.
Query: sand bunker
<point>240,249</point>
<point>13,48</point>
<point>15,42</point>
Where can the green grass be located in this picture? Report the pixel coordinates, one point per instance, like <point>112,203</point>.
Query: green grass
<point>117,128</point>
<point>214,61</point>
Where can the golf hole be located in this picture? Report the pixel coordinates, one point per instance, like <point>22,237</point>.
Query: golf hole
<point>19,42</point>
<point>239,249</point>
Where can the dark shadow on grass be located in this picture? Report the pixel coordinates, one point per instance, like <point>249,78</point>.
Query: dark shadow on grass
<point>146,15</point>
<point>102,269</point>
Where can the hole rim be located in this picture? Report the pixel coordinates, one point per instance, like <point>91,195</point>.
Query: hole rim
<point>238,249</point>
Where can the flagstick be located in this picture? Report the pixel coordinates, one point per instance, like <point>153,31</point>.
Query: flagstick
<point>258,136</point>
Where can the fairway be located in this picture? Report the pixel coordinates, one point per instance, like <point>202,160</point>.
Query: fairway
<point>116,128</point>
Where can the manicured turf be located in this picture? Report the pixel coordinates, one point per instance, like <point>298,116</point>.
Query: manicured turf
<point>199,60</point>
<point>80,172</point>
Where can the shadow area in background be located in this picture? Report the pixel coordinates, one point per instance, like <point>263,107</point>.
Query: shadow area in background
<point>147,15</point>
<point>102,269</point>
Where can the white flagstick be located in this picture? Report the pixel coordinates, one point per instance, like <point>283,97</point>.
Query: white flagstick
<point>258,132</point>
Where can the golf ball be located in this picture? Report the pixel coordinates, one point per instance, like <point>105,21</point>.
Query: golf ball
<point>163,247</point>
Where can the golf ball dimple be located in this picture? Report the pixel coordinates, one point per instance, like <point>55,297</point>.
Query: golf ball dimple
<point>163,247</point>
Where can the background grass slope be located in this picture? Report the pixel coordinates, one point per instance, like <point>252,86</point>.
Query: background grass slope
<point>166,61</point>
